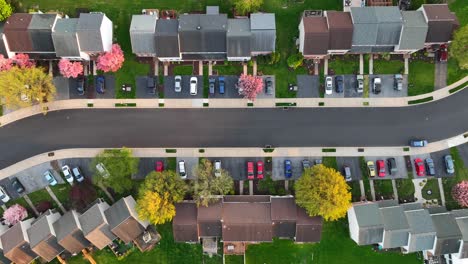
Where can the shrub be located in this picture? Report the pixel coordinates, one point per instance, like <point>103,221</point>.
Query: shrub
<point>295,60</point>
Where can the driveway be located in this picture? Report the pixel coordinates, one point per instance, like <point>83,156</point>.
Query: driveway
<point>423,157</point>
<point>440,80</point>
<point>297,170</point>
<point>142,88</point>
<point>334,93</point>
<point>308,86</point>
<point>262,94</point>
<point>463,151</point>
<point>237,166</point>
<point>353,163</point>
<point>230,90</point>
<point>110,88</point>
<point>190,164</point>
<point>439,163</point>
<point>63,86</point>
<point>388,82</point>
<point>350,84</point>
<point>169,91</point>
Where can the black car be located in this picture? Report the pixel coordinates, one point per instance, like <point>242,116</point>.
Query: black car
<point>211,85</point>
<point>391,164</point>
<point>150,85</point>
<point>268,86</point>
<point>339,84</point>
<point>80,85</point>
<point>17,186</point>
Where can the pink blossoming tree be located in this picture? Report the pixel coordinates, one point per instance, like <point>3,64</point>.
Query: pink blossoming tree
<point>460,193</point>
<point>22,61</point>
<point>5,63</point>
<point>111,61</point>
<point>70,69</point>
<point>249,86</point>
<point>15,214</point>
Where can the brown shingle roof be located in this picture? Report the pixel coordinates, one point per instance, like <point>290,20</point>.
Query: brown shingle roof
<point>341,30</point>
<point>247,198</point>
<point>308,229</point>
<point>247,222</point>
<point>283,208</point>
<point>209,220</point>
<point>185,222</point>
<point>15,247</point>
<point>16,32</point>
<point>316,35</point>
<point>437,12</point>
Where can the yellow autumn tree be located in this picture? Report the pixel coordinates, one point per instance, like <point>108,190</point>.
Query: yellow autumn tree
<point>323,191</point>
<point>157,196</point>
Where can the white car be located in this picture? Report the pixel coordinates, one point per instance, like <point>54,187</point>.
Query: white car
<point>102,170</point>
<point>178,83</point>
<point>193,85</point>
<point>217,168</point>
<point>49,177</point>
<point>328,85</point>
<point>3,195</point>
<point>78,175</point>
<point>67,173</point>
<point>182,172</point>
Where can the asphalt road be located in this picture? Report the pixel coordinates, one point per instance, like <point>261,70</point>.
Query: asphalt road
<point>299,127</point>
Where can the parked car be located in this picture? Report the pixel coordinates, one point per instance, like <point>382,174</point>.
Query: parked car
<point>193,86</point>
<point>4,195</point>
<point>360,84</point>
<point>287,169</point>
<point>100,84</point>
<point>49,177</point>
<point>430,167</point>
<point>418,143</point>
<point>182,172</point>
<point>371,168</point>
<point>211,85</point>
<point>305,164</point>
<point>268,86</point>
<point>449,165</point>
<point>339,84</point>
<point>443,54</point>
<point>260,169</point>
<point>18,186</point>
<point>178,83</point>
<point>221,84</point>
<point>250,170</point>
<point>398,82</point>
<point>150,85</point>
<point>317,161</point>
<point>419,166</point>
<point>377,85</point>
<point>217,168</point>
<point>347,173</point>
<point>392,168</point>
<point>102,170</point>
<point>381,168</point>
<point>67,173</point>
<point>159,166</point>
<point>80,85</point>
<point>78,174</point>
<point>328,85</point>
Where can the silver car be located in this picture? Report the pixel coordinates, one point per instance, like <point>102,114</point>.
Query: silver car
<point>178,83</point>
<point>328,85</point>
<point>217,168</point>
<point>49,177</point>
<point>449,165</point>
<point>182,172</point>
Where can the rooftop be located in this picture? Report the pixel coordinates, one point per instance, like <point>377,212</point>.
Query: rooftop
<point>262,21</point>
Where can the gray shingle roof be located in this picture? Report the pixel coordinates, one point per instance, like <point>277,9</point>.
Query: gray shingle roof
<point>167,40</point>
<point>413,34</point>
<point>369,222</point>
<point>422,230</point>
<point>65,39</point>
<point>238,38</point>
<point>202,33</point>
<point>2,44</point>
<point>142,33</point>
<point>261,21</point>
<point>447,232</point>
<point>396,227</point>
<point>263,28</point>
<point>89,31</point>
<point>411,206</point>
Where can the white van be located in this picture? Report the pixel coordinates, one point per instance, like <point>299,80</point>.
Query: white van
<point>193,85</point>
<point>182,172</point>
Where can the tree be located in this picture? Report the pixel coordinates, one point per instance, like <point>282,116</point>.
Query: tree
<point>5,10</point>
<point>459,47</point>
<point>460,193</point>
<point>111,61</point>
<point>249,86</point>
<point>157,196</point>
<point>70,69</point>
<point>247,6</point>
<point>323,191</point>
<point>82,195</point>
<point>15,214</point>
<point>5,63</point>
<point>22,60</point>
<point>295,60</point>
<point>120,164</point>
<point>22,87</point>
<point>207,186</point>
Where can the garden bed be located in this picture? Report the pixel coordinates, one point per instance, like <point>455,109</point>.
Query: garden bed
<point>383,189</point>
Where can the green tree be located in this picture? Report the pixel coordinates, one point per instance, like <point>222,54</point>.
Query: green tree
<point>323,191</point>
<point>247,6</point>
<point>5,10</point>
<point>295,60</point>
<point>459,47</point>
<point>25,87</point>
<point>157,196</point>
<point>207,185</point>
<point>120,165</point>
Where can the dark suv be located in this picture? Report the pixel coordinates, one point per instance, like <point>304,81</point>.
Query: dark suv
<point>80,85</point>
<point>339,84</point>
<point>18,186</point>
<point>391,164</point>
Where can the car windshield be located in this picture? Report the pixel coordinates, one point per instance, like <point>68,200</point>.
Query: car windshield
<point>371,167</point>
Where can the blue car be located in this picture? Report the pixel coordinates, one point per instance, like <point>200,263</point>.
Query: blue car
<point>221,85</point>
<point>418,143</point>
<point>100,84</point>
<point>287,169</point>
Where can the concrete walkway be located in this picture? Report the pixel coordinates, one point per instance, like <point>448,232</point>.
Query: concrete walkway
<point>395,190</point>
<point>418,190</point>
<point>440,80</point>
<point>54,197</point>
<point>361,186</point>
<point>30,203</point>
<point>241,187</point>
<point>372,190</point>
<point>441,189</point>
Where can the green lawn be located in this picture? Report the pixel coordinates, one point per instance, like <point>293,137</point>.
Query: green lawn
<point>461,173</point>
<point>234,259</point>
<point>42,195</point>
<point>432,185</point>
<point>454,73</point>
<point>232,69</point>
<point>405,188</point>
<point>382,66</point>
<point>355,191</point>
<point>420,78</point>
<point>330,162</point>
<point>341,65</point>
<point>335,247</point>
<point>183,70</point>
<point>383,187</point>
<point>62,192</point>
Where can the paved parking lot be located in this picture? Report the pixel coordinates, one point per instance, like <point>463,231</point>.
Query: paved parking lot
<point>353,163</point>
<point>439,163</point>
<point>423,157</point>
<point>63,86</point>
<point>263,94</point>
<point>190,163</point>
<point>230,90</point>
<point>297,170</point>
<point>349,87</point>
<point>141,87</point>
<point>308,86</point>
<point>110,88</point>
<point>463,151</point>
<point>388,82</point>
<point>237,166</point>
<point>146,166</point>
<point>185,93</point>
<point>401,173</point>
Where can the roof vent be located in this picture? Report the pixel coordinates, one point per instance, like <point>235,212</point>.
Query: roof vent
<point>198,27</point>
<point>313,13</point>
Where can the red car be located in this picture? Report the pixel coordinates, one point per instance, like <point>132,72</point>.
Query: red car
<point>259,169</point>
<point>159,166</point>
<point>250,170</point>
<point>443,53</point>
<point>381,168</point>
<point>419,165</point>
